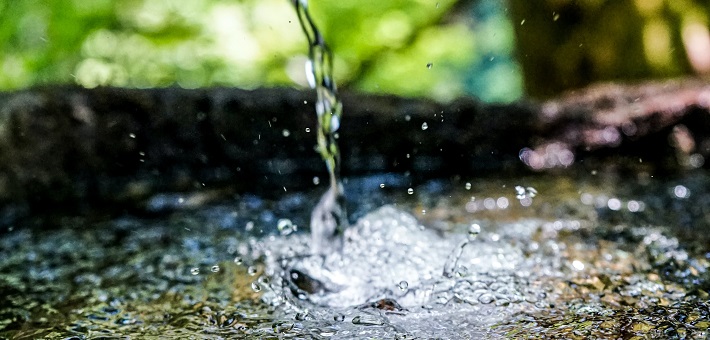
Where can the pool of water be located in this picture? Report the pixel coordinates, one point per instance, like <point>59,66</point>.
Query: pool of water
<point>567,256</point>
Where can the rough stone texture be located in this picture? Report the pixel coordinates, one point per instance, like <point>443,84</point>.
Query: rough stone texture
<point>69,149</point>
<point>663,127</point>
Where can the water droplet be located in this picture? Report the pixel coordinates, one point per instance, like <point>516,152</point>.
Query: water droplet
<point>410,191</point>
<point>461,271</point>
<point>473,231</point>
<point>681,191</point>
<point>251,270</point>
<point>403,285</point>
<point>215,269</point>
<point>194,271</point>
<point>334,123</point>
<point>486,298</point>
<point>300,316</point>
<point>555,16</point>
<point>614,204</point>
<point>339,317</point>
<point>316,180</point>
<point>468,186</point>
<point>286,133</point>
<point>407,118</point>
<point>285,226</point>
<point>519,192</point>
<point>696,160</point>
<point>249,226</point>
<point>452,260</point>
<point>308,129</point>
<point>264,280</point>
<point>523,193</point>
<point>531,192</point>
<point>522,22</point>
<point>425,126</point>
<point>282,327</point>
<point>502,203</point>
<point>132,135</point>
<point>238,260</point>
<point>429,65</point>
<point>502,302</point>
<point>367,320</point>
<point>255,286</point>
<point>309,74</point>
<point>382,185</point>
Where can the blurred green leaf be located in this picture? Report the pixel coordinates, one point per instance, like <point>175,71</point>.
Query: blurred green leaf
<point>380,46</point>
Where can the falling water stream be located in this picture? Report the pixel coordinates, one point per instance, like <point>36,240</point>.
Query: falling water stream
<point>329,218</point>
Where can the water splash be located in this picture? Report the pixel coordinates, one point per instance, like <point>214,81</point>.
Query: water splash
<point>329,218</point>
<point>451,266</point>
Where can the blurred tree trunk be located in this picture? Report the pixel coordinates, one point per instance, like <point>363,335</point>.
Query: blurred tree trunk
<point>571,44</point>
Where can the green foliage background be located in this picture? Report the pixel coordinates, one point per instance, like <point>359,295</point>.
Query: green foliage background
<point>494,49</point>
<point>380,46</point>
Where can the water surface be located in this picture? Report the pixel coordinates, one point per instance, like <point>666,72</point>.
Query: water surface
<point>589,256</point>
